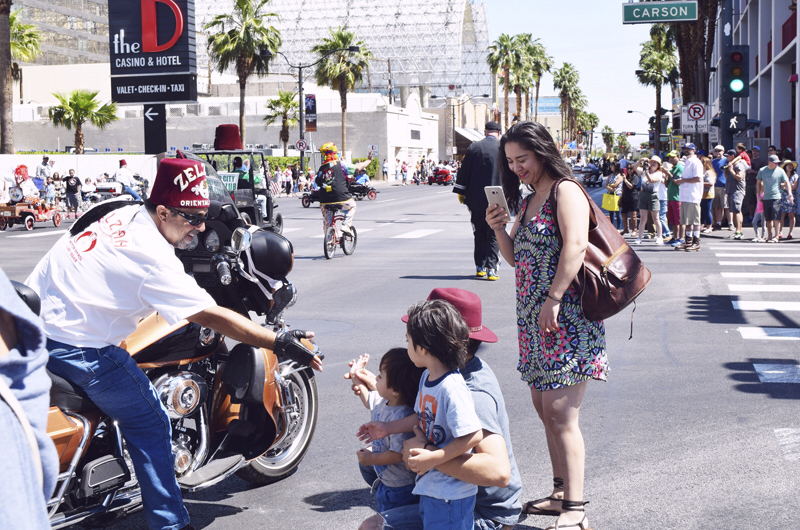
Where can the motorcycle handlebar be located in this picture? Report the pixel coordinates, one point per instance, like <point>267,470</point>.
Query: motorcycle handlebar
<point>224,272</point>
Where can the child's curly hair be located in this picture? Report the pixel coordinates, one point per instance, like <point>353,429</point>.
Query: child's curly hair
<point>438,327</point>
<point>402,375</point>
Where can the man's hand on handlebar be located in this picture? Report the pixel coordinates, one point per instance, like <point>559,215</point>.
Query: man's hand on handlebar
<point>288,344</point>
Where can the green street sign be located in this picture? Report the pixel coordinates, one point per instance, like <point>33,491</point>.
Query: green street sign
<point>651,12</point>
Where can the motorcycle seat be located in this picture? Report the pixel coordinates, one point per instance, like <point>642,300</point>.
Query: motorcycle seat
<point>69,396</point>
<point>334,206</point>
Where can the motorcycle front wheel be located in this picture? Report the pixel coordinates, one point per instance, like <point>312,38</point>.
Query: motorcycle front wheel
<point>282,459</point>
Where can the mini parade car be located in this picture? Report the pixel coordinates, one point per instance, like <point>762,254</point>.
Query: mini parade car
<point>442,175</point>
<point>26,212</point>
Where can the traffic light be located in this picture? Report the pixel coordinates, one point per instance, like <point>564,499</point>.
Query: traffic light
<point>735,71</point>
<point>630,134</point>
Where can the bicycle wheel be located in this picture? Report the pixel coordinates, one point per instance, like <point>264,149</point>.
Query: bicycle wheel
<point>348,242</point>
<point>329,243</point>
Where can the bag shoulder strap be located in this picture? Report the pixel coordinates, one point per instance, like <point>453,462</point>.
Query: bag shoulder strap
<point>8,396</point>
<point>554,206</point>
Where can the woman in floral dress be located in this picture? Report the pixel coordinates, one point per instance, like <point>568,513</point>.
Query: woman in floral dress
<point>560,349</point>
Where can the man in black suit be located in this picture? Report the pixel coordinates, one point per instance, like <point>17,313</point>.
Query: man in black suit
<point>479,169</point>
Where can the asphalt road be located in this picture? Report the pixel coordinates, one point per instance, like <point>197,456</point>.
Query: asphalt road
<point>683,435</point>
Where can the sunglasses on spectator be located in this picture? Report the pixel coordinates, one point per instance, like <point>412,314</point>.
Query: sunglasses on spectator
<point>194,220</point>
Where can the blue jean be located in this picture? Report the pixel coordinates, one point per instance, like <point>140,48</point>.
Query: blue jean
<point>662,218</point>
<point>411,518</point>
<point>111,379</point>
<point>132,193</point>
<point>387,497</point>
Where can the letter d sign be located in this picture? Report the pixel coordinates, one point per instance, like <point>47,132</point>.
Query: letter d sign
<point>150,26</point>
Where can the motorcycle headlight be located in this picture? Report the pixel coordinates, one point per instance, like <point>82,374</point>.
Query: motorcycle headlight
<point>212,241</point>
<point>193,244</point>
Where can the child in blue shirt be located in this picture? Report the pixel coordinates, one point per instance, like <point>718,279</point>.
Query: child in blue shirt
<point>389,396</point>
<point>437,341</point>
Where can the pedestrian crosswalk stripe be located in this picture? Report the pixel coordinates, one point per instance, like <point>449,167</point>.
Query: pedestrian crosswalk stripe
<point>40,234</point>
<point>287,230</point>
<point>789,442</point>
<point>767,333</point>
<point>750,305</point>
<point>770,255</point>
<point>758,263</point>
<point>416,234</point>
<point>755,248</point>
<point>763,275</point>
<point>778,373</point>
<point>764,288</point>
<point>385,200</point>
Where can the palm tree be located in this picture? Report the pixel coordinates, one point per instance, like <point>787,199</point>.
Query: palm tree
<point>505,54</point>
<point>79,107</point>
<point>539,63</point>
<point>25,45</point>
<point>608,137</point>
<point>622,144</point>
<point>565,81</point>
<point>242,37</point>
<point>285,108</point>
<point>6,98</point>
<point>341,70</point>
<point>658,64</point>
<point>592,121</point>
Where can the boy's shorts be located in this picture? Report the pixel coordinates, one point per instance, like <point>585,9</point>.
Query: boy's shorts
<point>409,518</point>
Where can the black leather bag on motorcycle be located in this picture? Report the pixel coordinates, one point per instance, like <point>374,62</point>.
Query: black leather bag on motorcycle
<point>612,275</point>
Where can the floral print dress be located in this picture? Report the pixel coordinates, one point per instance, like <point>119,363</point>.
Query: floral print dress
<point>576,352</point>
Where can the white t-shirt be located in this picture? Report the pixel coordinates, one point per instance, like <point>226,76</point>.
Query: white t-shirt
<point>124,176</point>
<point>691,192</point>
<point>96,286</point>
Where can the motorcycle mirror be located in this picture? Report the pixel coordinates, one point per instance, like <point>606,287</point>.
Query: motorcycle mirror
<point>241,240</point>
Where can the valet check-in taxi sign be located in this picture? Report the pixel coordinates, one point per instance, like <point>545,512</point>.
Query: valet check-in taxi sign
<point>152,51</point>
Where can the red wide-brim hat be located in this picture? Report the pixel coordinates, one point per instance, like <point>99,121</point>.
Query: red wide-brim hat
<point>469,305</point>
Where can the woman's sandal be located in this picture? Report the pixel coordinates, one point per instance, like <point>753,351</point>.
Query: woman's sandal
<point>529,508</point>
<point>572,506</point>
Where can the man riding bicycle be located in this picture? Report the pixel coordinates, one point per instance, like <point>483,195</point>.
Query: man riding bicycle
<point>332,182</point>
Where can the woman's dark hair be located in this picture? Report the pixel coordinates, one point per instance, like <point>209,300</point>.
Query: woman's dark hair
<point>402,375</point>
<point>438,327</point>
<point>530,136</point>
<point>617,168</point>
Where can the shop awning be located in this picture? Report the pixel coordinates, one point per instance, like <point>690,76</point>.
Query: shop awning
<point>470,134</point>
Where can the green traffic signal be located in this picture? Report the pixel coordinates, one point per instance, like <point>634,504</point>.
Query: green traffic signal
<point>737,85</point>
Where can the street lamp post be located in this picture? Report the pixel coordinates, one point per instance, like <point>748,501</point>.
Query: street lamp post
<point>469,98</point>
<point>268,54</point>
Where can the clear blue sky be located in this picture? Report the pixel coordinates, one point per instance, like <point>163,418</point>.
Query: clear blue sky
<point>590,35</point>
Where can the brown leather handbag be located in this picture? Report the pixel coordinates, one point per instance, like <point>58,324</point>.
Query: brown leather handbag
<point>612,275</point>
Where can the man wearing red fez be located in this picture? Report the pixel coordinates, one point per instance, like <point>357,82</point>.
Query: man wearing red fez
<point>125,177</point>
<point>112,269</point>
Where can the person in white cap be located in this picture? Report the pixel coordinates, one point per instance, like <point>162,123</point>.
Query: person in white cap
<point>691,193</point>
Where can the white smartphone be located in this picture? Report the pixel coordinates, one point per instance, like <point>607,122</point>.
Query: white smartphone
<point>494,194</point>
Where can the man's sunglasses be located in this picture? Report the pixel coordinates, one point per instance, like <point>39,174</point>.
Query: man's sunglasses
<point>194,220</point>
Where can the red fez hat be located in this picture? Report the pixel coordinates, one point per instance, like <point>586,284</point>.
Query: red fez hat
<point>227,137</point>
<point>180,183</point>
<point>122,162</point>
<point>469,305</point>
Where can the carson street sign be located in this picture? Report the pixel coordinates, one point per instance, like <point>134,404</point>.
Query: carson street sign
<point>651,12</point>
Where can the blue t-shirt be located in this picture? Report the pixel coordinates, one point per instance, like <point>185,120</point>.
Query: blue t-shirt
<point>445,411</point>
<point>717,164</point>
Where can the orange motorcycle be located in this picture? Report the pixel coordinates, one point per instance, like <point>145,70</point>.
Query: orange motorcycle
<point>241,410</point>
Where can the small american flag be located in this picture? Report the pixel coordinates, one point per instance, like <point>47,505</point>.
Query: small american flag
<point>274,188</point>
